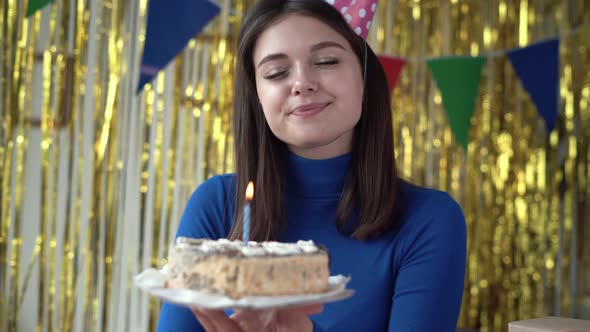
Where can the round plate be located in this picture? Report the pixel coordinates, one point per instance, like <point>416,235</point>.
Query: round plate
<point>152,281</point>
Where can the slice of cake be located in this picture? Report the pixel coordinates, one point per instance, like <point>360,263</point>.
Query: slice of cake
<point>260,268</point>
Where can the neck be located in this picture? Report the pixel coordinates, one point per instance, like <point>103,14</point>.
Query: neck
<point>340,146</point>
<point>316,178</point>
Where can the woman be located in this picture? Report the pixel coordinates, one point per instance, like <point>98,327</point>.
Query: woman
<point>313,130</point>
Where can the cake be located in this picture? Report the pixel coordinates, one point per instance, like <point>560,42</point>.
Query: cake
<point>257,269</point>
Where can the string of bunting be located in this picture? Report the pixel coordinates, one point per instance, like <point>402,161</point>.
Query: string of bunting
<point>458,78</point>
<point>171,25</point>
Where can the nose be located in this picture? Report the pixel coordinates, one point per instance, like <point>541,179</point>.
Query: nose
<point>304,83</point>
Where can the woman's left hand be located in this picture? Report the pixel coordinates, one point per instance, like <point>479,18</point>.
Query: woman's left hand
<point>280,320</point>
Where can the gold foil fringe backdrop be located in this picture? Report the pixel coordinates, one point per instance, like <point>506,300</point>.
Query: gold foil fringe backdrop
<point>94,178</point>
<point>524,195</point>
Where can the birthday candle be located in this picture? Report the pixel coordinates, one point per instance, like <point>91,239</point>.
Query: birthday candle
<point>246,224</point>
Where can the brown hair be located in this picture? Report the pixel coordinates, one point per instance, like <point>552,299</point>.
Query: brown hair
<point>371,185</point>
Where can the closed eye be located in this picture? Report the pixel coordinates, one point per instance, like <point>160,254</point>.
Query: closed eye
<point>276,75</point>
<point>327,62</point>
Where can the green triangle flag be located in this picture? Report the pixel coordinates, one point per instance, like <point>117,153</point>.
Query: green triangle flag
<point>458,80</point>
<point>35,5</point>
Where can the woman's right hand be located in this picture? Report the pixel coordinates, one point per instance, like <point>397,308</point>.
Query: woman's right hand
<point>293,319</point>
<point>216,321</point>
<point>282,320</point>
<point>240,321</point>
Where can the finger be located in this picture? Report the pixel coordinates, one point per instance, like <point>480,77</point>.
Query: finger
<point>243,314</point>
<point>219,321</point>
<point>307,310</point>
<point>249,314</point>
<point>253,320</point>
<point>222,322</point>
<point>296,318</point>
<point>206,323</point>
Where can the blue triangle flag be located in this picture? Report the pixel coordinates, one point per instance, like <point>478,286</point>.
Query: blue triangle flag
<point>170,26</point>
<point>537,67</point>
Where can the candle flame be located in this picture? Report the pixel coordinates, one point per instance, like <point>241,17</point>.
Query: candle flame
<point>250,191</point>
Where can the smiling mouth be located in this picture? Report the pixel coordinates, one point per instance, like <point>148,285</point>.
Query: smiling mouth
<point>309,110</point>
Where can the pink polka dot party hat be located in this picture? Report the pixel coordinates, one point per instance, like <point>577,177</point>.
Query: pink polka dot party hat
<point>358,13</point>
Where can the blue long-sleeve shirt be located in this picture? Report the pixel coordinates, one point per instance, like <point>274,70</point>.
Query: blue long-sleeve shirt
<point>410,279</point>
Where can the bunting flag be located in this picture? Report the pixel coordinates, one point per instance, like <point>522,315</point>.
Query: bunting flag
<point>35,5</point>
<point>392,67</point>
<point>171,25</point>
<point>358,14</point>
<point>458,80</point>
<point>537,67</point>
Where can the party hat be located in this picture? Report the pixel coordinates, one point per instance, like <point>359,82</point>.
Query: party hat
<point>358,13</point>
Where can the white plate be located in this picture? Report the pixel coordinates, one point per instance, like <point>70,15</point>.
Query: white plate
<point>152,281</point>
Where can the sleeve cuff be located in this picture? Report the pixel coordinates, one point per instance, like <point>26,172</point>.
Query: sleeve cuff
<point>317,327</point>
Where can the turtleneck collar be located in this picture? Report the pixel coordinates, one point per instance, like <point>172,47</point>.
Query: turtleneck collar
<point>315,178</point>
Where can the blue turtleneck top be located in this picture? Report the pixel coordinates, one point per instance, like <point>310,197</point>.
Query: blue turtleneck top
<point>408,280</point>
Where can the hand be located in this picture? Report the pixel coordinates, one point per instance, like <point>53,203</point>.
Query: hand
<point>216,321</point>
<point>282,320</point>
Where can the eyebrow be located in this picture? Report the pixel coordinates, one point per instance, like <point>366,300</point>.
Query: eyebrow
<point>314,48</point>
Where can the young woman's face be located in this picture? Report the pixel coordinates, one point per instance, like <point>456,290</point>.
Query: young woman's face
<point>310,86</point>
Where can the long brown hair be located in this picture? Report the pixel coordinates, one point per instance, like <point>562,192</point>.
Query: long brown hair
<point>371,185</point>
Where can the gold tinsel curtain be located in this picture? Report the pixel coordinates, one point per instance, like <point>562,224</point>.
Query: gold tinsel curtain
<point>94,178</point>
